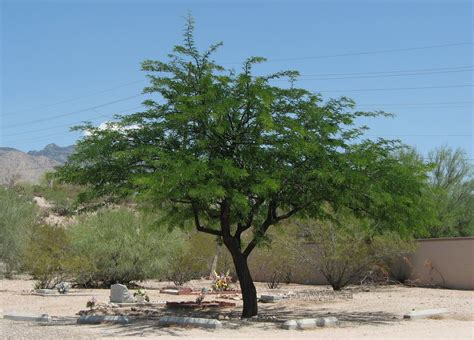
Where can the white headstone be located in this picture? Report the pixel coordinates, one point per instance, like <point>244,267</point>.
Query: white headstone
<point>120,294</point>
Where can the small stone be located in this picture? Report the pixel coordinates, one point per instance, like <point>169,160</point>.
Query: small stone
<point>220,317</point>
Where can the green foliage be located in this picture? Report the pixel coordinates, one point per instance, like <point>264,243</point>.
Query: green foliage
<point>347,249</point>
<point>47,256</point>
<point>233,153</point>
<point>17,219</point>
<point>452,191</point>
<point>119,246</point>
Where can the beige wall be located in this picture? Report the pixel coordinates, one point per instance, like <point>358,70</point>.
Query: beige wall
<point>444,262</point>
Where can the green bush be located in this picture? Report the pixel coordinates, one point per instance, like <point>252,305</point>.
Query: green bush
<point>48,255</point>
<point>17,219</point>
<point>192,259</point>
<point>120,246</point>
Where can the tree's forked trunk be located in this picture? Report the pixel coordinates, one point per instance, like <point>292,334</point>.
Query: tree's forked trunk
<point>249,293</point>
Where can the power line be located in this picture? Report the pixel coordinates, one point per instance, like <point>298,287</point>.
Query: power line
<point>110,115</point>
<point>400,88</point>
<point>338,76</point>
<point>135,96</point>
<point>378,76</point>
<point>362,53</point>
<point>76,98</point>
<point>382,72</point>
<point>420,135</point>
<point>422,104</point>
<point>75,112</point>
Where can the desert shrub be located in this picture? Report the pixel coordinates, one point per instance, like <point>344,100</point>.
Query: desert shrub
<point>192,259</point>
<point>347,251</point>
<point>17,218</point>
<point>47,256</point>
<point>119,246</point>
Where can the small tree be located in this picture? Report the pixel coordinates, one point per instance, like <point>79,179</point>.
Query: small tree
<point>118,246</point>
<point>452,190</point>
<point>233,154</point>
<point>18,217</point>
<point>47,256</point>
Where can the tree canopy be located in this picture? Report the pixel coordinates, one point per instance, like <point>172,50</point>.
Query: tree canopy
<point>234,153</point>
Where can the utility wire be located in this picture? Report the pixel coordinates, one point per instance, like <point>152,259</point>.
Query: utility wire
<point>75,112</point>
<point>399,88</point>
<point>417,106</point>
<point>75,98</point>
<point>377,76</point>
<point>380,74</point>
<point>343,90</point>
<point>419,48</point>
<point>70,124</point>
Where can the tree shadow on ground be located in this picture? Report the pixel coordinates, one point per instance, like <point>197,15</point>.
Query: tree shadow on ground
<point>271,317</point>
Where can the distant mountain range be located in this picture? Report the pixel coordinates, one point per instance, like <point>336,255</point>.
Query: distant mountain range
<point>18,166</point>
<point>55,152</point>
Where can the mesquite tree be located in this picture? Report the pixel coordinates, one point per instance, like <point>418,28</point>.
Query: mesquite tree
<point>235,154</point>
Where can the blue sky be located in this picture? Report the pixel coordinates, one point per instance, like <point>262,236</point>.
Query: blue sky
<point>63,62</point>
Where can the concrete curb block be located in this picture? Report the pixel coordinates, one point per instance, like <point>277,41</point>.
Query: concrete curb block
<point>303,324</point>
<point>27,317</point>
<point>98,319</point>
<point>188,321</point>
<point>270,298</point>
<point>425,313</point>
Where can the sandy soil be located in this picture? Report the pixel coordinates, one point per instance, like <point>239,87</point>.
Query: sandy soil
<point>376,313</point>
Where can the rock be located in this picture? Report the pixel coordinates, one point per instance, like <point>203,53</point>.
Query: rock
<point>120,294</point>
<point>220,317</point>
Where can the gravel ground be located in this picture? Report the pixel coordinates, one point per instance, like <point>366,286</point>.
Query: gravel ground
<point>376,313</point>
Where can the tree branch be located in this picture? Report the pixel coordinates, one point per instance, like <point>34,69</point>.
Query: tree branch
<point>201,228</point>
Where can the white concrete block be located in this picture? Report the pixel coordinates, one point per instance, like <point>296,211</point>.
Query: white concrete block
<point>98,319</point>
<point>270,298</point>
<point>425,313</point>
<point>330,321</point>
<point>306,323</point>
<point>188,321</point>
<point>290,325</point>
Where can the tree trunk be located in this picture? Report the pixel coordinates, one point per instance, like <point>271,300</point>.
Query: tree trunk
<point>249,293</point>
